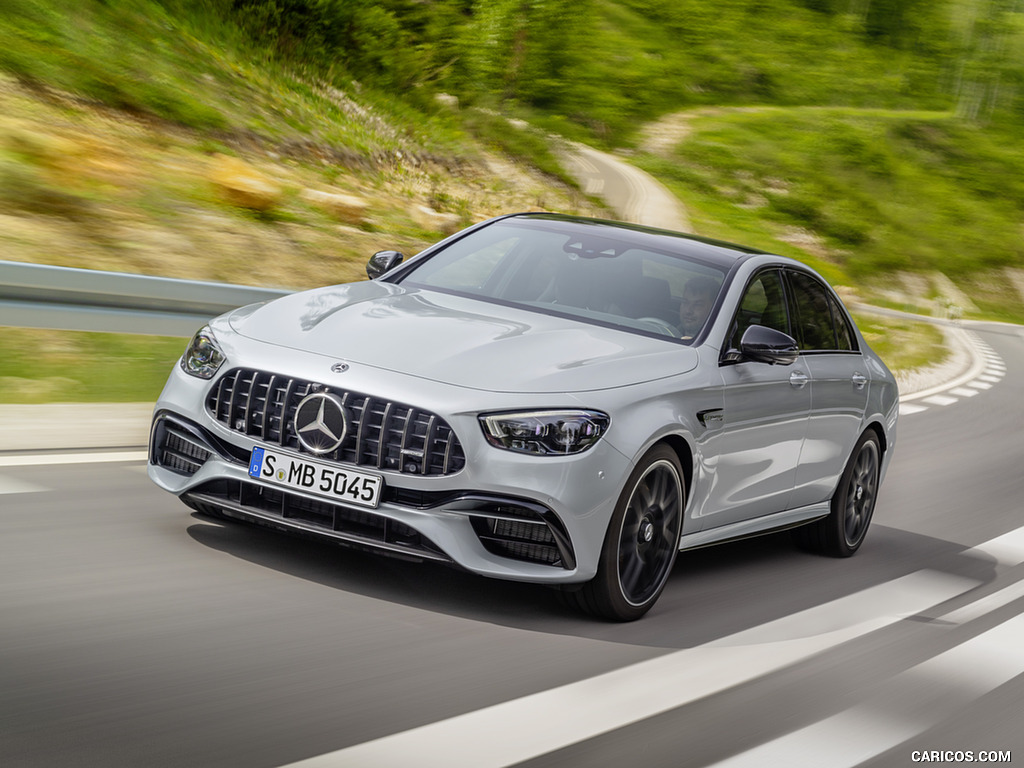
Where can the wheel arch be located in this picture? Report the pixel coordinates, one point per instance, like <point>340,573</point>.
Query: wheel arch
<point>684,452</point>
<point>883,441</point>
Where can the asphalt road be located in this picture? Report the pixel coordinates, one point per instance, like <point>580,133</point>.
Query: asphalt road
<point>135,633</point>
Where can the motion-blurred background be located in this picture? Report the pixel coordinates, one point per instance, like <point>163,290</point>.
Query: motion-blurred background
<point>281,142</point>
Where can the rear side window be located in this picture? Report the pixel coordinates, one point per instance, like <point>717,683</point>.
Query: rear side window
<point>818,322</point>
<point>844,333</point>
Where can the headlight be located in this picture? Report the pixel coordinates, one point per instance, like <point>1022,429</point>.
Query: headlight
<point>545,432</point>
<point>203,357</point>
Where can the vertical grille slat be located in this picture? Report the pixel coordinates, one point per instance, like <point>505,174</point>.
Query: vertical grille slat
<point>447,452</point>
<point>234,395</point>
<point>428,440</point>
<point>267,407</point>
<point>283,410</point>
<point>382,433</point>
<point>405,439</point>
<point>360,445</point>
<point>382,440</point>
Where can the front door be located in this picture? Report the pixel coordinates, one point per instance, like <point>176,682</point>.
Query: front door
<point>753,458</point>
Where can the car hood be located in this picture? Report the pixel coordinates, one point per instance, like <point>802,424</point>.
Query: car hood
<point>460,341</point>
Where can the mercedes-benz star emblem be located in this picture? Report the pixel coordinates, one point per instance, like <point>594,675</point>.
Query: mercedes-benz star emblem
<point>320,422</point>
<point>339,367</point>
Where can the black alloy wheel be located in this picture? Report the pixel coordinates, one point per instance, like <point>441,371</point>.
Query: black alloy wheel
<point>642,541</point>
<point>843,531</point>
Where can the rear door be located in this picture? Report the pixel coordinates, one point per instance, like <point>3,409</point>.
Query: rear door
<point>838,386</point>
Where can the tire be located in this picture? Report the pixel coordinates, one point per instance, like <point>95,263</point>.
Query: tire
<point>843,531</point>
<point>641,543</point>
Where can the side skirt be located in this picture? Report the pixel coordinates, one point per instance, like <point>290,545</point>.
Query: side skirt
<point>780,521</point>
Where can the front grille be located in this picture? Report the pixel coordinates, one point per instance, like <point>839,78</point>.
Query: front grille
<point>299,513</point>
<point>381,433</point>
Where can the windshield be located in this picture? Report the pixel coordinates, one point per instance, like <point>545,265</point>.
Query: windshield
<point>607,276</point>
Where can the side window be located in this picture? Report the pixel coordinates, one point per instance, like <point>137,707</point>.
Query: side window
<point>763,303</point>
<point>844,333</point>
<point>813,314</point>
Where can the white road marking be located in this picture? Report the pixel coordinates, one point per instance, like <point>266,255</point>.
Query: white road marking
<point>553,719</point>
<point>988,369</point>
<point>963,392</point>
<point>42,460</point>
<point>986,604</point>
<point>939,400</point>
<point>12,485</point>
<point>902,707</point>
<point>1007,549</point>
<point>908,408</point>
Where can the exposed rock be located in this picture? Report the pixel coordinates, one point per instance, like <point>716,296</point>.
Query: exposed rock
<point>243,185</point>
<point>429,219</point>
<point>950,295</point>
<point>349,209</point>
<point>447,100</point>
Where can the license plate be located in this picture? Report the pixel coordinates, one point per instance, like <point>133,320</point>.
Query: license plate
<point>326,480</point>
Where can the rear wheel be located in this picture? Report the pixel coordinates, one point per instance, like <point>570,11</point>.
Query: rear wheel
<point>641,543</point>
<point>842,532</point>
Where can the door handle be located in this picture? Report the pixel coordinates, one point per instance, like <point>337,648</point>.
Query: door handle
<point>798,379</point>
<point>859,380</point>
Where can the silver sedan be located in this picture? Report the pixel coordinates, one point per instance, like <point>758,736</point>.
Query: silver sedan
<point>540,398</point>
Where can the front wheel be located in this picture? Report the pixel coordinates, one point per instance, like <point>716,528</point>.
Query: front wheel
<point>842,532</point>
<point>641,543</point>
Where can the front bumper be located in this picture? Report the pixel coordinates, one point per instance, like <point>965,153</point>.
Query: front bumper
<point>503,515</point>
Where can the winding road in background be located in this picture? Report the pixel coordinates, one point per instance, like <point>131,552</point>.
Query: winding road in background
<point>133,632</point>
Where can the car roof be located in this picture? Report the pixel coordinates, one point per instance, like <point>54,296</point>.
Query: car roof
<point>705,249</point>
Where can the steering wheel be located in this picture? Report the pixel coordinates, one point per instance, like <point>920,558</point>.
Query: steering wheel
<point>661,325</point>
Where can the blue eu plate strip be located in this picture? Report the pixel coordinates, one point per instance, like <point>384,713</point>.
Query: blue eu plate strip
<point>256,463</point>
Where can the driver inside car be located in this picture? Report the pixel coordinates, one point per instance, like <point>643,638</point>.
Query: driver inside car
<point>698,296</point>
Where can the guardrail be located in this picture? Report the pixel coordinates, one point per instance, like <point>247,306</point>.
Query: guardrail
<point>40,296</point>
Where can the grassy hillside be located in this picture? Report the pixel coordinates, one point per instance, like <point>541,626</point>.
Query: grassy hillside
<point>874,196</point>
<point>876,139</point>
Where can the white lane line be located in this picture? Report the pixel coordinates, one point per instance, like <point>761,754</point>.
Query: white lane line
<point>963,392</point>
<point>550,720</point>
<point>987,369</point>
<point>902,707</point>
<point>42,460</point>
<point>986,604</point>
<point>1007,549</point>
<point>908,408</point>
<point>12,485</point>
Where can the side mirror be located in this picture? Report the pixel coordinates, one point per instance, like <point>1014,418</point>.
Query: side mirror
<point>383,261</point>
<point>767,345</point>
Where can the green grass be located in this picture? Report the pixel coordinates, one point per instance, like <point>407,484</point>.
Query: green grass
<point>878,191</point>
<point>194,68</point>
<point>904,345</point>
<point>39,366</point>
<point>637,59</point>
